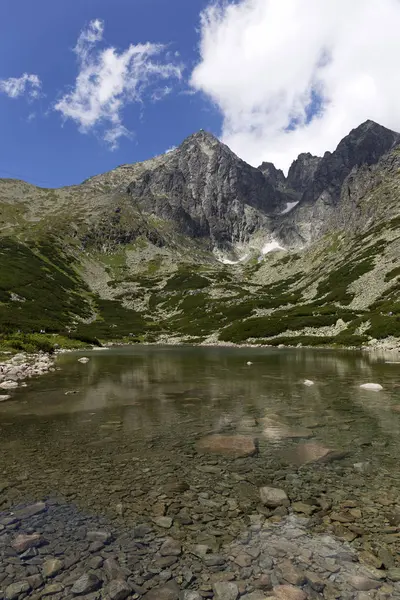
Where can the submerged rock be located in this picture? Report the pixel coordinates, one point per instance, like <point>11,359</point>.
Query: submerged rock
<point>313,452</point>
<point>273,497</point>
<point>308,382</point>
<point>3,398</point>
<point>8,385</point>
<point>230,445</point>
<point>24,541</point>
<point>374,387</point>
<point>83,360</point>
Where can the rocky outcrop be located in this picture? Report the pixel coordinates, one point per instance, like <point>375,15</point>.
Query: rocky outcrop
<point>207,191</point>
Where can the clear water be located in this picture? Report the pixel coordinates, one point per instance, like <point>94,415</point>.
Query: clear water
<point>122,429</point>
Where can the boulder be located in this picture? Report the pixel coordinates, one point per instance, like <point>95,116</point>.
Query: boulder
<point>308,382</point>
<point>373,387</point>
<point>8,385</point>
<point>273,497</point>
<point>229,445</point>
<point>83,360</point>
<point>4,397</point>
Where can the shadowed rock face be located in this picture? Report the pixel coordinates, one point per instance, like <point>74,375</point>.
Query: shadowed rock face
<point>207,191</point>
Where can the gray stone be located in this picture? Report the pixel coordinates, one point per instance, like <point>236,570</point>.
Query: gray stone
<point>164,522</point>
<point>15,589</point>
<point>24,541</point>
<point>364,584</point>
<point>171,547</point>
<point>225,590</point>
<point>273,497</point>
<point>117,590</point>
<point>52,566</point>
<point>99,536</point>
<point>87,583</point>
<point>30,511</point>
<point>169,591</point>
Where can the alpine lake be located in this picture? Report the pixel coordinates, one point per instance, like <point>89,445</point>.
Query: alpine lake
<point>181,472</point>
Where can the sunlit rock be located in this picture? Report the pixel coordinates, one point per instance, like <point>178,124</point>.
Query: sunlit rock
<point>374,387</point>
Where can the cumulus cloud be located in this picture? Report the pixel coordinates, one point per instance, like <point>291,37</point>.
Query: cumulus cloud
<point>297,76</point>
<point>28,84</point>
<point>109,80</point>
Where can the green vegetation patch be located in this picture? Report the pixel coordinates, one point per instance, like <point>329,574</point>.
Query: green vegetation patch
<point>48,294</point>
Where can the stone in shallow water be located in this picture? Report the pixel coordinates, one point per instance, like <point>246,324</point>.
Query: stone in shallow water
<point>308,382</point>
<point>23,542</point>
<point>15,589</point>
<point>313,452</point>
<point>169,591</point>
<point>171,547</point>
<point>87,583</point>
<point>289,592</point>
<point>164,522</point>
<point>3,397</point>
<point>52,566</point>
<point>8,385</point>
<point>30,511</point>
<point>374,387</point>
<point>363,584</point>
<point>230,445</point>
<point>273,497</point>
<point>117,590</point>
<point>225,590</point>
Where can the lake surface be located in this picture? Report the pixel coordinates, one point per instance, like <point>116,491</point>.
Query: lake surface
<point>121,437</point>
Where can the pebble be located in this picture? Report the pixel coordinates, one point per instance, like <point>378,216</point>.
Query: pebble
<point>225,590</point>
<point>87,583</point>
<point>15,589</point>
<point>24,541</point>
<point>52,566</point>
<point>289,592</point>
<point>117,590</point>
<point>273,497</point>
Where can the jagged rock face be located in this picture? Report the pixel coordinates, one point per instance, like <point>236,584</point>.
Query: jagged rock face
<point>364,145</point>
<point>302,171</point>
<point>341,179</point>
<point>275,176</point>
<point>207,191</point>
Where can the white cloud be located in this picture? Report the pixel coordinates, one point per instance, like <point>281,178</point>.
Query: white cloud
<point>108,80</point>
<point>264,61</point>
<point>28,84</point>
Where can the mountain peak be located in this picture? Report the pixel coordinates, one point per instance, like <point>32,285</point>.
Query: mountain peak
<point>202,136</point>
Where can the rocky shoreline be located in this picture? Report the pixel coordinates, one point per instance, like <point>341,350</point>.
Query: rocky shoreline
<point>19,367</point>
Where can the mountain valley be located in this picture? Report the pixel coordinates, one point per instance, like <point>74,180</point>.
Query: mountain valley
<point>197,246</point>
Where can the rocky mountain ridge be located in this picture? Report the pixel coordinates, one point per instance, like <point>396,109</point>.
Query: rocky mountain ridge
<point>311,257</point>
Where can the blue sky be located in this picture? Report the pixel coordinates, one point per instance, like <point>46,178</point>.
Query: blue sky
<point>271,78</point>
<point>37,143</point>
